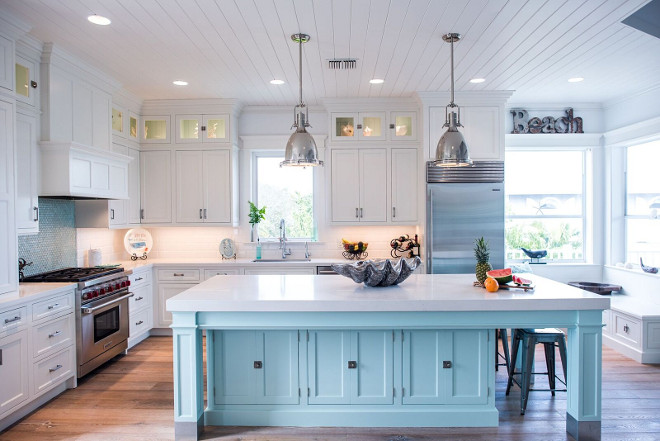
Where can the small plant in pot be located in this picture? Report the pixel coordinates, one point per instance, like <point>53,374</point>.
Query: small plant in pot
<point>256,215</point>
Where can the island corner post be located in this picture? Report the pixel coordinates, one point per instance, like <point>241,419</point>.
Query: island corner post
<point>584,367</point>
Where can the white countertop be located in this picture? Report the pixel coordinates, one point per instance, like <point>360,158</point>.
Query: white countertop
<point>216,262</point>
<point>420,292</point>
<point>32,291</point>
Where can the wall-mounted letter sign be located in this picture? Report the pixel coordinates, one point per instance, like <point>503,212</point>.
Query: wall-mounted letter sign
<point>566,124</point>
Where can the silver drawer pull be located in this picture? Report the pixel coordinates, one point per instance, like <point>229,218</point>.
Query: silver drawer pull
<point>178,274</point>
<point>625,328</point>
<point>139,323</point>
<point>54,334</point>
<point>53,306</point>
<point>137,279</point>
<point>15,319</point>
<point>137,299</point>
<point>56,368</point>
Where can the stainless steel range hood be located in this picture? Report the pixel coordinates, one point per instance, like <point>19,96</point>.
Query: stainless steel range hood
<point>75,171</point>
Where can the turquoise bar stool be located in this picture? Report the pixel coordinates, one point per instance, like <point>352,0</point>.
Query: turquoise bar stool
<point>527,339</point>
<point>501,334</point>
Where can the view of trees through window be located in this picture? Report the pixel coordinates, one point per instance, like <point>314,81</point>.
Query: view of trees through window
<point>287,193</point>
<point>643,204</point>
<point>545,204</point>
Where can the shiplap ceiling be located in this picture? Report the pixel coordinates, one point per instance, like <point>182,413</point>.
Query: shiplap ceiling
<point>233,48</point>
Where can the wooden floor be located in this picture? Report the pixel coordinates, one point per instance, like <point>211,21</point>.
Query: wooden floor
<point>130,398</point>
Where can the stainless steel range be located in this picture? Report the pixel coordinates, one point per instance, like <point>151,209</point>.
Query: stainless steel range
<point>101,312</point>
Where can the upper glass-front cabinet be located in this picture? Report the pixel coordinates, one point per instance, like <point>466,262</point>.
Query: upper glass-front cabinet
<point>403,126</point>
<point>359,126</point>
<point>25,80</point>
<point>202,128</point>
<point>118,121</point>
<point>132,126</point>
<point>155,129</point>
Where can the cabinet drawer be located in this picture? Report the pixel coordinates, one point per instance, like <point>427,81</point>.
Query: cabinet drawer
<point>607,321</point>
<point>140,278</point>
<point>53,370</point>
<point>627,328</point>
<point>219,272</point>
<point>13,318</point>
<point>142,298</point>
<point>52,335</point>
<point>188,275</point>
<point>140,322</point>
<point>52,306</point>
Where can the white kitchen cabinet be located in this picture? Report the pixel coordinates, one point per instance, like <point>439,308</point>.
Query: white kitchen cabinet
<point>14,371</point>
<point>359,185</point>
<point>118,209</point>
<point>8,252</point>
<point>118,121</point>
<point>403,126</point>
<point>482,129</point>
<point>276,270</point>
<point>140,306</point>
<point>26,80</point>
<point>27,189</point>
<point>202,128</point>
<point>155,129</point>
<point>404,181</point>
<point>133,203</point>
<point>206,196</point>
<point>166,291</point>
<point>6,63</point>
<point>208,273</point>
<point>358,126</point>
<point>133,126</point>
<point>156,186</point>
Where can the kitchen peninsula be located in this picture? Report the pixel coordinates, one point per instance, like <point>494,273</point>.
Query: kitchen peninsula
<point>300,350</point>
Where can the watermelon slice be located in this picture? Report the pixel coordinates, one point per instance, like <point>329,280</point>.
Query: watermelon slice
<point>501,275</point>
<point>521,281</point>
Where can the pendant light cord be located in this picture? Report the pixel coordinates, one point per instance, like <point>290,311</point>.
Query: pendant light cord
<point>451,104</point>
<point>300,43</point>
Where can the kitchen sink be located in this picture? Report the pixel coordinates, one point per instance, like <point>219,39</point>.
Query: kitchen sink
<point>281,260</point>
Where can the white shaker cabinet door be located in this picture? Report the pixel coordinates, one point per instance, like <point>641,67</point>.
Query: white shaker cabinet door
<point>13,370</point>
<point>404,185</point>
<point>27,202</point>
<point>373,185</point>
<point>134,187</point>
<point>8,243</point>
<point>217,179</point>
<point>156,186</point>
<point>345,186</point>
<point>189,186</point>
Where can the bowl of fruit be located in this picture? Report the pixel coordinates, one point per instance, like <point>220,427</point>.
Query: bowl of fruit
<point>354,250</point>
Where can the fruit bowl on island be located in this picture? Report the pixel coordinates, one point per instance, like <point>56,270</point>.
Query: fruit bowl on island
<point>379,272</point>
<point>354,250</point>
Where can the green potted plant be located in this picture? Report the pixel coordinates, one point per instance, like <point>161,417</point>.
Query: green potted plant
<point>256,215</point>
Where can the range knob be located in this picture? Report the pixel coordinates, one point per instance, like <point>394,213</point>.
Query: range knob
<point>110,288</point>
<point>123,284</point>
<point>128,283</point>
<point>101,292</point>
<point>117,286</point>
<point>85,296</point>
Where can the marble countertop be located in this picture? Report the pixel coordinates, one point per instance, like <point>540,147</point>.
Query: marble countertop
<point>32,291</point>
<point>215,262</point>
<point>420,292</point>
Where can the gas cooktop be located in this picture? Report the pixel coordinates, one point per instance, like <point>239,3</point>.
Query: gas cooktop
<point>72,274</point>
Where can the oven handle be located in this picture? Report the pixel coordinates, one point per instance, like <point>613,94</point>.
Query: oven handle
<point>118,299</point>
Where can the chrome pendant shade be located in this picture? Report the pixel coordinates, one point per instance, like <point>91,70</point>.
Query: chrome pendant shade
<point>452,150</point>
<point>301,148</point>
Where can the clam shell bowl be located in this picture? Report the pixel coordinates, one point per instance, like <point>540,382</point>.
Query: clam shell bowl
<point>380,272</point>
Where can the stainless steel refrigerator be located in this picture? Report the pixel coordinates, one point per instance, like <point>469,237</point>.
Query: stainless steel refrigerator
<point>463,204</point>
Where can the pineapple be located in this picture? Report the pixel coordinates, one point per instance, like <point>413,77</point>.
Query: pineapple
<point>482,253</point>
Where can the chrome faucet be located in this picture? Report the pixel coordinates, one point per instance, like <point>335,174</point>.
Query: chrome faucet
<point>307,253</point>
<point>283,240</point>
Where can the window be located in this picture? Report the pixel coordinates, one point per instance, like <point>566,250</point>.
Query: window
<point>643,204</point>
<point>545,204</point>
<point>287,193</point>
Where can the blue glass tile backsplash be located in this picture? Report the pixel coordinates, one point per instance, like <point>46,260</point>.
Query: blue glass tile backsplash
<point>55,245</point>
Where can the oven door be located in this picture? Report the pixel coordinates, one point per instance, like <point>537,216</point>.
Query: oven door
<point>104,324</point>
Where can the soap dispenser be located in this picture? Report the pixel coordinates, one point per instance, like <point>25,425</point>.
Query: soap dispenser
<point>258,250</point>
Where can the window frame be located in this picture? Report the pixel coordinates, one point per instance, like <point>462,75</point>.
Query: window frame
<point>254,193</point>
<point>587,201</point>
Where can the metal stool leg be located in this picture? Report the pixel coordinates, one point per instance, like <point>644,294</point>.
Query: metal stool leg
<point>561,344</point>
<point>505,346</point>
<point>528,359</point>
<point>515,342</point>
<point>549,349</point>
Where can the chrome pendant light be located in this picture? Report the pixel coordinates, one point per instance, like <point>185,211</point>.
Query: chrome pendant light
<point>301,149</point>
<point>452,150</point>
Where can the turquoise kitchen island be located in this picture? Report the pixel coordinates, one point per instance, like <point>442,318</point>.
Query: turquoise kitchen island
<point>303,350</point>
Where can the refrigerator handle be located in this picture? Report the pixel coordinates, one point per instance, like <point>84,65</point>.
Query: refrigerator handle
<point>429,231</point>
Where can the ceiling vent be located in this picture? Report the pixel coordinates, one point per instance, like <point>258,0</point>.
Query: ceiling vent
<point>342,63</point>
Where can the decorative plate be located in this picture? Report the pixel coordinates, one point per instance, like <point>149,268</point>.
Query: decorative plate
<point>138,243</point>
<point>385,272</point>
<point>227,249</point>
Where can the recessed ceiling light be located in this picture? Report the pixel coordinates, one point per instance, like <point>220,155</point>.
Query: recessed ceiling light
<point>180,83</point>
<point>377,81</point>
<point>477,80</point>
<point>99,20</point>
<point>575,79</point>
<point>276,82</point>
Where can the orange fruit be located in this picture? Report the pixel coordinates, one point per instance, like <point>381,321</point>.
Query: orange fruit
<point>491,284</point>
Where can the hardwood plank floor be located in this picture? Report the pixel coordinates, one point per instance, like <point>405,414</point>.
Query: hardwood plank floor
<point>130,399</point>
